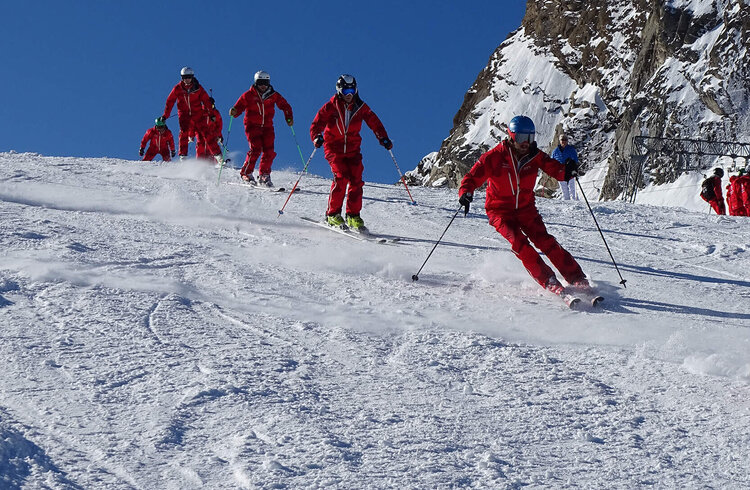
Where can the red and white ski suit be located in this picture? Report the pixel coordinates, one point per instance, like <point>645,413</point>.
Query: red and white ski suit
<point>192,105</point>
<point>511,209</point>
<point>340,126</point>
<point>259,110</point>
<point>160,142</point>
<point>215,125</point>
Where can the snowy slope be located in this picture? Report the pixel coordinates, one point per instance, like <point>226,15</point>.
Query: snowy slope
<point>163,331</point>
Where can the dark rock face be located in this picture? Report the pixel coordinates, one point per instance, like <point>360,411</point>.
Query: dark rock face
<point>606,71</point>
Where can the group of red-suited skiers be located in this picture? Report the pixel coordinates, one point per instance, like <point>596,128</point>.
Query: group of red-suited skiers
<point>510,169</point>
<point>738,193</point>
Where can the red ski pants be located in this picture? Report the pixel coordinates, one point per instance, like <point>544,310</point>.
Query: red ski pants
<point>523,225</point>
<point>197,126</point>
<point>718,206</point>
<point>347,171</point>
<point>153,151</point>
<point>261,140</point>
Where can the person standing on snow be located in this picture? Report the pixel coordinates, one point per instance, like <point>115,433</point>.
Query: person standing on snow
<point>562,153</point>
<point>215,125</point>
<point>193,103</point>
<point>258,105</point>
<point>744,192</point>
<point>336,127</point>
<point>161,142</point>
<point>711,191</point>
<point>511,169</point>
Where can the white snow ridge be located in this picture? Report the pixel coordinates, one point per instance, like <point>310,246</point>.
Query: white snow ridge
<point>160,330</point>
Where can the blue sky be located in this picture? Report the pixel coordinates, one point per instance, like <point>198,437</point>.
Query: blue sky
<point>87,78</point>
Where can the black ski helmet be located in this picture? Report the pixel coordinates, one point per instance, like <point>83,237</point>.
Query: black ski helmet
<point>346,81</point>
<point>719,171</point>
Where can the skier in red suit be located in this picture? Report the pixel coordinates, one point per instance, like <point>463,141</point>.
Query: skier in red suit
<point>258,105</point>
<point>734,198</point>
<point>214,124</point>
<point>161,142</point>
<point>336,127</point>
<point>511,170</point>
<point>192,105</point>
<point>743,194</point>
<point>716,198</point>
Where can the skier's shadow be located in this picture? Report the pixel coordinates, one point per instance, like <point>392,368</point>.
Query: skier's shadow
<point>642,304</point>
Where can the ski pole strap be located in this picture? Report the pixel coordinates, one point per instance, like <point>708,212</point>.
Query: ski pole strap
<point>402,177</point>
<point>622,281</point>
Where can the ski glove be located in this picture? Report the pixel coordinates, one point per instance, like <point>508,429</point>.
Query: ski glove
<point>465,201</point>
<point>232,112</point>
<point>386,143</point>
<point>571,169</point>
<point>318,141</point>
<point>141,151</point>
<point>289,121</point>
<point>173,153</point>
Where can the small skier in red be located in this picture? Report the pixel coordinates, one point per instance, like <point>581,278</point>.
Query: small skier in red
<point>336,127</point>
<point>511,169</point>
<point>161,142</point>
<point>214,125</point>
<point>258,105</point>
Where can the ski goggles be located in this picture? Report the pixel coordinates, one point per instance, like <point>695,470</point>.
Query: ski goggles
<point>348,91</point>
<point>523,137</point>
<point>262,83</point>
<point>187,77</point>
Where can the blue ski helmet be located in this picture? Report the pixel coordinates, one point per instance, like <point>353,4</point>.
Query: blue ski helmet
<point>521,129</point>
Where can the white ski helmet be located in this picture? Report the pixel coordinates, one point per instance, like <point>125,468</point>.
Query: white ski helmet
<point>346,81</point>
<point>187,72</point>
<point>262,75</point>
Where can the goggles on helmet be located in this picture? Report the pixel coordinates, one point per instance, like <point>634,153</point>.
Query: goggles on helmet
<point>348,91</point>
<point>523,137</point>
<point>187,77</point>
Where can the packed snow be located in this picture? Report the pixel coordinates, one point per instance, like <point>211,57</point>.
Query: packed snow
<point>161,329</point>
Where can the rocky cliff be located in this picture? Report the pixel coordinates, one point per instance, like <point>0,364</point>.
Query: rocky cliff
<point>604,71</point>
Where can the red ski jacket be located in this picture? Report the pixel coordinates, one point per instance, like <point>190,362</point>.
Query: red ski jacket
<point>510,183</point>
<point>259,109</point>
<point>339,138</point>
<point>734,197</point>
<point>216,125</point>
<point>159,140</point>
<point>193,102</point>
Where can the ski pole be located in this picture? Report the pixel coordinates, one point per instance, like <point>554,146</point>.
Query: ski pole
<point>402,178</point>
<point>298,148</point>
<point>223,157</point>
<point>281,211</point>
<point>622,281</point>
<point>415,277</point>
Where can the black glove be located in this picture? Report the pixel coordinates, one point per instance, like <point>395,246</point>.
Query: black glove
<point>141,151</point>
<point>173,153</point>
<point>318,141</point>
<point>465,201</point>
<point>386,143</point>
<point>571,169</point>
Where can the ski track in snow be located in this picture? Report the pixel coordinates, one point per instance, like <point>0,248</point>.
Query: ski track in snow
<point>163,331</point>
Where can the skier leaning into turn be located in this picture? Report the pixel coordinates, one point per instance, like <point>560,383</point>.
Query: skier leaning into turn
<point>336,127</point>
<point>511,170</point>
